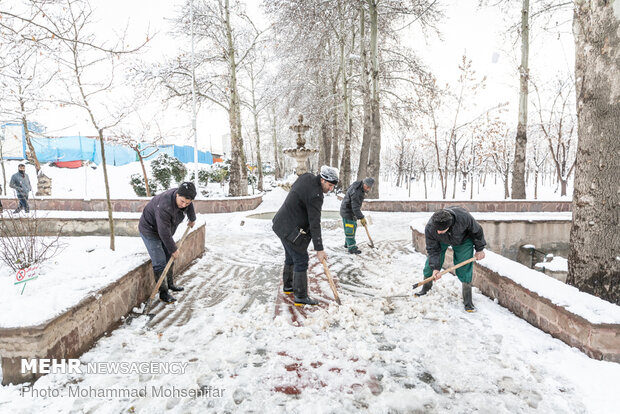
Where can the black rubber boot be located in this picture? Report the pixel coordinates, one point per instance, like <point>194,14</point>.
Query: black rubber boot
<point>170,280</point>
<point>467,299</point>
<point>355,250</point>
<point>164,295</point>
<point>425,289</point>
<point>300,287</point>
<point>287,279</point>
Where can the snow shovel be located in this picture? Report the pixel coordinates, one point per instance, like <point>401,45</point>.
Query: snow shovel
<point>331,281</point>
<point>147,305</point>
<point>443,272</point>
<point>372,245</point>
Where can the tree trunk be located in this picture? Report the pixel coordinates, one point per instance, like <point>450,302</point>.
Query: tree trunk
<point>345,164</point>
<point>374,156</point>
<point>518,168</point>
<point>326,145</point>
<point>278,169</point>
<point>107,189</point>
<point>259,163</point>
<point>594,260</point>
<point>536,185</point>
<point>335,143</point>
<point>146,178</point>
<point>362,170</point>
<point>238,171</point>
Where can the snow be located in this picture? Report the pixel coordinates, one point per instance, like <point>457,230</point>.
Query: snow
<point>372,354</point>
<point>84,266</point>
<point>556,264</point>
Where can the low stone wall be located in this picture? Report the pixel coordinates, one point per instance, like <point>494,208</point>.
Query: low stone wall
<point>505,237</point>
<point>477,206</point>
<point>79,227</point>
<point>599,341</point>
<point>75,331</point>
<point>219,205</point>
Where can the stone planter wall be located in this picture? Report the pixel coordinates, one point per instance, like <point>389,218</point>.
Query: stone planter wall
<point>505,237</point>
<point>81,227</point>
<point>598,341</point>
<point>219,205</point>
<point>75,331</point>
<point>488,206</point>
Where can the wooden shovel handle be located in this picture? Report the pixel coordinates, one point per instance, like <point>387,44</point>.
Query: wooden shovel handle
<point>443,272</point>
<point>331,281</point>
<point>372,245</point>
<point>163,274</point>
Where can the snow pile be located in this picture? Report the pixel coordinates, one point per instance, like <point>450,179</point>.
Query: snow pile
<point>554,264</point>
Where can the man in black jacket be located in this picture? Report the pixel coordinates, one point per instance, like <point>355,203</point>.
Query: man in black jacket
<point>351,211</point>
<point>453,226</point>
<point>296,223</point>
<point>160,219</point>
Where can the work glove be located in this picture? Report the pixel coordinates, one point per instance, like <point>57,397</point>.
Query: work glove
<point>363,221</point>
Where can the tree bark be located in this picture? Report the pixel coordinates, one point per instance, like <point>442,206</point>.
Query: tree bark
<point>518,166</point>
<point>238,171</point>
<point>335,143</point>
<point>362,171</point>
<point>326,144</point>
<point>594,259</point>
<point>374,156</point>
<point>274,135</point>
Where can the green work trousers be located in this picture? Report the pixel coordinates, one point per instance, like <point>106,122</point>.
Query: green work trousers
<point>350,226</point>
<point>462,252</point>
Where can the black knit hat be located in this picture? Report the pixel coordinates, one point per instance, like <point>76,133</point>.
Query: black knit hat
<point>442,219</point>
<point>187,190</point>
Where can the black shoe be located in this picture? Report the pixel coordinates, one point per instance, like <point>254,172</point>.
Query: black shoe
<point>467,299</point>
<point>425,289</point>
<point>300,288</point>
<point>305,301</point>
<point>355,250</point>
<point>165,296</point>
<point>171,284</point>
<point>287,279</point>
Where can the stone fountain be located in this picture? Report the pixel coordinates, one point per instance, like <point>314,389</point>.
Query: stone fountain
<point>300,153</point>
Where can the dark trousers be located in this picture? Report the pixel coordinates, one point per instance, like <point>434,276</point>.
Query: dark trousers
<point>23,203</point>
<point>294,256</point>
<point>158,252</point>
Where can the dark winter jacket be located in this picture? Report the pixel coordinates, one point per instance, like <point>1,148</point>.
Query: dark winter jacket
<point>161,217</point>
<point>351,206</point>
<point>463,227</point>
<point>301,210</point>
<point>21,184</point>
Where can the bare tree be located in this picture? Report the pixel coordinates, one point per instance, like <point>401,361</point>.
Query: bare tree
<point>558,126</point>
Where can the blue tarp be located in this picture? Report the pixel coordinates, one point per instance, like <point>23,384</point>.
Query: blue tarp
<point>89,149</point>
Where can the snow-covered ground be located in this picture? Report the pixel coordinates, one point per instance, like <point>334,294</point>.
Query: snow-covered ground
<point>372,354</point>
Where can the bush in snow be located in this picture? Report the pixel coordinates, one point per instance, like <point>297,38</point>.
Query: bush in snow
<point>166,168</point>
<point>137,183</point>
<point>20,244</point>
